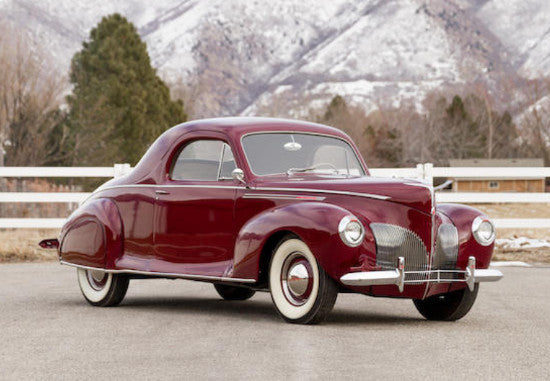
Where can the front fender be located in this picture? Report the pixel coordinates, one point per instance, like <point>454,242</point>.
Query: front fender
<point>315,223</point>
<point>462,217</point>
<point>92,236</point>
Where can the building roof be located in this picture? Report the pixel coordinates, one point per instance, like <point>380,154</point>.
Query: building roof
<point>538,162</point>
<point>489,163</point>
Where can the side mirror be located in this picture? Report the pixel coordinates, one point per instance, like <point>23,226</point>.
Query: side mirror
<point>238,175</point>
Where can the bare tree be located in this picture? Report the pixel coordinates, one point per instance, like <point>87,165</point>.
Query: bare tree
<point>534,123</point>
<point>30,96</point>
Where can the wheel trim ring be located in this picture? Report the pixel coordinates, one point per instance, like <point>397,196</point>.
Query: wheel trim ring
<point>294,260</point>
<point>97,279</point>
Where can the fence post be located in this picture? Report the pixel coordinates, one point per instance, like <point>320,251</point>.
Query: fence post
<point>121,169</point>
<point>420,171</point>
<point>428,173</point>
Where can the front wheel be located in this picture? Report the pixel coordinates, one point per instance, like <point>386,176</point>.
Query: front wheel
<point>301,290</point>
<point>101,288</point>
<point>450,306</point>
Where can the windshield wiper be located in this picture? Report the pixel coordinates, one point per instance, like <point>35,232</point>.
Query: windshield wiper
<point>294,170</point>
<point>290,171</point>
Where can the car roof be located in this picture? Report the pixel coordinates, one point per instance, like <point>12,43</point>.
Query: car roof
<point>244,125</point>
<point>233,127</point>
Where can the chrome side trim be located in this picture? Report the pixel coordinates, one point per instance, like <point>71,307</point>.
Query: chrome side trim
<point>367,195</point>
<point>170,186</point>
<point>167,275</point>
<point>283,197</point>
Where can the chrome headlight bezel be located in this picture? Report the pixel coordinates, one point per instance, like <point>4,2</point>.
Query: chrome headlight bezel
<point>479,226</point>
<point>348,228</point>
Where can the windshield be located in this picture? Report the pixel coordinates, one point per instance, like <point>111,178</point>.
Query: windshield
<point>291,153</point>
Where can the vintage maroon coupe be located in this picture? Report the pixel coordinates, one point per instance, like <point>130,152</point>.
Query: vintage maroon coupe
<point>254,204</point>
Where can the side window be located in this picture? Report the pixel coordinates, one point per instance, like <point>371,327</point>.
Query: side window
<point>227,164</point>
<point>203,160</point>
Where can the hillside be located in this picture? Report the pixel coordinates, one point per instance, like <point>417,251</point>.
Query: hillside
<point>254,57</point>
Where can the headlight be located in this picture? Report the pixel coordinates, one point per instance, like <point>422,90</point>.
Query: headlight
<point>484,231</point>
<point>351,231</point>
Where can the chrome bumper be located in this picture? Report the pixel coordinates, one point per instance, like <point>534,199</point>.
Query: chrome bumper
<point>397,276</point>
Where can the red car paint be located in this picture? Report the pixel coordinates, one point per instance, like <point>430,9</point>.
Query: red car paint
<point>147,222</point>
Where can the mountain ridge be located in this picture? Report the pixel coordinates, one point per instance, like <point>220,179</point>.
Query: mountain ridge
<point>254,55</point>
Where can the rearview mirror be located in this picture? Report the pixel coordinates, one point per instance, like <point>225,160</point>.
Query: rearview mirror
<point>292,146</point>
<point>238,175</point>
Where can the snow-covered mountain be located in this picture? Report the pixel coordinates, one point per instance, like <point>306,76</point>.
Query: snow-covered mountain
<point>262,57</point>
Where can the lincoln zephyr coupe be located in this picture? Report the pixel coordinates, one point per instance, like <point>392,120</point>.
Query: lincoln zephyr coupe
<point>259,204</point>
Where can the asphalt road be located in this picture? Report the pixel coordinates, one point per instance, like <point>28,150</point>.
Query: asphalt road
<point>181,329</point>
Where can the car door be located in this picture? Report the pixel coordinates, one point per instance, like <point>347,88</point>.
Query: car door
<point>194,211</point>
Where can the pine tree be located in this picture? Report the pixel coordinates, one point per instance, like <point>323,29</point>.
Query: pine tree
<point>119,105</point>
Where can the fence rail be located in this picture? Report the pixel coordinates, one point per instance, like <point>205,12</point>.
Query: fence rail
<point>114,171</point>
<point>424,172</point>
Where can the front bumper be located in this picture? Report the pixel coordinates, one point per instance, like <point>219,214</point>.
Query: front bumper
<point>470,276</point>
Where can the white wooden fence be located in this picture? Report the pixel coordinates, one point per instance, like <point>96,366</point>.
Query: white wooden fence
<point>425,172</point>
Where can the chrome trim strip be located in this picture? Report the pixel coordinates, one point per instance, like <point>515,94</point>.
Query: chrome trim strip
<point>159,274</point>
<point>173,186</point>
<point>433,234</point>
<point>419,184</point>
<point>283,196</point>
<point>367,195</point>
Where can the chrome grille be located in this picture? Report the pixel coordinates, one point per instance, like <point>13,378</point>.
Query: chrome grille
<point>392,242</point>
<point>446,249</point>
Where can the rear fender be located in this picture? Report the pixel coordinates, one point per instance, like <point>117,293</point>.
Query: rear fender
<point>313,222</point>
<point>93,235</point>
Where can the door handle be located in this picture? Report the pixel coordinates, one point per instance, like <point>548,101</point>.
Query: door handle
<point>158,191</point>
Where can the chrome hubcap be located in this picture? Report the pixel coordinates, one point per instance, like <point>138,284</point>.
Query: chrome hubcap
<point>97,279</point>
<point>297,279</point>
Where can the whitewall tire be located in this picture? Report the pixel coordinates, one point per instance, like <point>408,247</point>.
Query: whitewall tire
<point>102,289</point>
<point>301,290</point>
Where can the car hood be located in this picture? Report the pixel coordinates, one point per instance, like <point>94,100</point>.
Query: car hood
<point>412,193</point>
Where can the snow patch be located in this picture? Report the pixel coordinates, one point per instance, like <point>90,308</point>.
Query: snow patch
<point>522,243</point>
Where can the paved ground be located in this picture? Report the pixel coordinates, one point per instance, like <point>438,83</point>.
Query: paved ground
<point>181,329</point>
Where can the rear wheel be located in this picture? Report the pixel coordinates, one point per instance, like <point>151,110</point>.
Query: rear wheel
<point>301,290</point>
<point>101,288</point>
<point>450,306</point>
<point>233,292</point>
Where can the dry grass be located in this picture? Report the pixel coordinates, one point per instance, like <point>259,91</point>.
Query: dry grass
<point>520,210</point>
<point>21,245</point>
<point>529,256</point>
